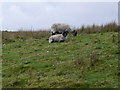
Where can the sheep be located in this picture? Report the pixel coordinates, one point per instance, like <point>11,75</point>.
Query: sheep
<point>58,37</point>
<point>60,28</point>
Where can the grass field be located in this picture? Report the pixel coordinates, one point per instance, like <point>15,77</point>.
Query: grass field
<point>84,61</point>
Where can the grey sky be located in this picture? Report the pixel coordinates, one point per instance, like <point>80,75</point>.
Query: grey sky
<point>41,15</point>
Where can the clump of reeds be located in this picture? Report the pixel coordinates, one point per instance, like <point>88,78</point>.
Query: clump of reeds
<point>110,27</point>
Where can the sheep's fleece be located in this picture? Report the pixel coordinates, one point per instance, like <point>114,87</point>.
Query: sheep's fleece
<point>57,38</point>
<point>60,28</point>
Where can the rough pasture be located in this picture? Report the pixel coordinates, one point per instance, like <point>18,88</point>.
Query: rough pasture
<point>84,61</point>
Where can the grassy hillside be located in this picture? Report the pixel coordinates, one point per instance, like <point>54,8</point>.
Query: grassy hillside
<point>84,61</point>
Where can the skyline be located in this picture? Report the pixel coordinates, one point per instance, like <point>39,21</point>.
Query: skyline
<point>43,14</point>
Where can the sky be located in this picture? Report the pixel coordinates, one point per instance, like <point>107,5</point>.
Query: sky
<point>41,15</point>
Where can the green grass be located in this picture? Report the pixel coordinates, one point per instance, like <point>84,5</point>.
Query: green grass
<point>84,61</point>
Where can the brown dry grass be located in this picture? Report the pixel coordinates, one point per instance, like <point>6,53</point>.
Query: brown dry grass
<point>24,35</point>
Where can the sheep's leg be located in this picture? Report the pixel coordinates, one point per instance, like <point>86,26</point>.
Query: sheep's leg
<point>62,40</point>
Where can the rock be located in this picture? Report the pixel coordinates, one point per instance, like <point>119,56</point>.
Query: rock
<point>27,62</point>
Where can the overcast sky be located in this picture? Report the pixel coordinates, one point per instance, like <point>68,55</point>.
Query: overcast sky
<point>41,15</point>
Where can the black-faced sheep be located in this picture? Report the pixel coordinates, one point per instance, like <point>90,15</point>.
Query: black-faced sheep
<point>58,37</point>
<point>59,28</point>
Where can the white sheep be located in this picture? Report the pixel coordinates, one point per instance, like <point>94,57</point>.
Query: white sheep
<point>59,28</point>
<point>58,38</point>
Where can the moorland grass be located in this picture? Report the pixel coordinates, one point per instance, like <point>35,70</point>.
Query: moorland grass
<point>84,61</point>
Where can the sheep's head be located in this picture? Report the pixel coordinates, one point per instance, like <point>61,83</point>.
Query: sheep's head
<point>65,33</point>
<point>53,33</point>
<point>74,33</point>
